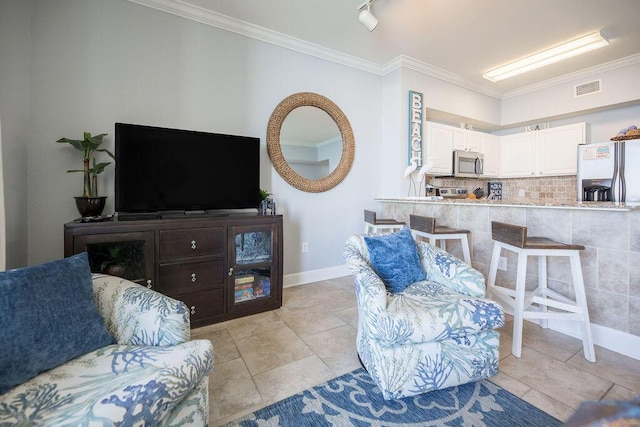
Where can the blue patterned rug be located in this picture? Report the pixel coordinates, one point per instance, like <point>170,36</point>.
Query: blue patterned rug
<point>353,400</point>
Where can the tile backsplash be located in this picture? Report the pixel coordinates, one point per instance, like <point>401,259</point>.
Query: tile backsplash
<point>548,188</point>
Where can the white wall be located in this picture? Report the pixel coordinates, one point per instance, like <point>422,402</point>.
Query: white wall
<point>618,87</point>
<point>601,125</point>
<point>98,62</point>
<point>14,109</point>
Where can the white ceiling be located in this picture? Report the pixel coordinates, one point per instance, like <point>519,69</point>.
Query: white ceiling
<point>460,38</point>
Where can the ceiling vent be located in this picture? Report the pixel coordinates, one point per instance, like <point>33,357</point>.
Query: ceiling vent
<point>588,88</point>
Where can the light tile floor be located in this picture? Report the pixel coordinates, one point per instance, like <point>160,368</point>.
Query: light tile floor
<point>266,357</point>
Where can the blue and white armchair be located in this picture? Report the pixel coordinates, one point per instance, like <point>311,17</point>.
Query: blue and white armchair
<point>152,375</point>
<point>435,333</point>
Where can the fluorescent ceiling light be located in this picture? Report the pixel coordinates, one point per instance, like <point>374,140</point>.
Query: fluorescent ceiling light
<point>546,57</point>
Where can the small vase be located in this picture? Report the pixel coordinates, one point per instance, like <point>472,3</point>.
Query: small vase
<point>90,206</point>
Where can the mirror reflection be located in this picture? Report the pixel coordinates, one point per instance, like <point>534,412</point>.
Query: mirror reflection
<point>311,143</point>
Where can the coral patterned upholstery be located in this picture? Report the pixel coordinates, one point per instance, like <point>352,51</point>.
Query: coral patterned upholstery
<point>436,333</point>
<point>153,375</point>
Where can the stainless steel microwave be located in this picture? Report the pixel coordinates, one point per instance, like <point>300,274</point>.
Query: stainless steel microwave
<point>467,164</point>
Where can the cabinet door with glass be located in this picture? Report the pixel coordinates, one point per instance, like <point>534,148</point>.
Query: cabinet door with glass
<point>254,265</point>
<point>127,255</point>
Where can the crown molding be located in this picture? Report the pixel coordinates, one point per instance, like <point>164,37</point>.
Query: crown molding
<point>224,22</point>
<point>204,16</point>
<point>410,63</point>
<point>578,75</point>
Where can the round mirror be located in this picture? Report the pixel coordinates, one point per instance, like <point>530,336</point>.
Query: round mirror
<point>310,142</point>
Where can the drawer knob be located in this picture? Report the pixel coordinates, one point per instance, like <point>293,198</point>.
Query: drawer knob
<point>149,284</point>
<point>193,277</point>
<point>193,244</point>
<point>193,309</point>
<point>230,273</point>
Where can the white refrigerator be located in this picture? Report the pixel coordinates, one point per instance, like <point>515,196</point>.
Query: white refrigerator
<point>609,171</point>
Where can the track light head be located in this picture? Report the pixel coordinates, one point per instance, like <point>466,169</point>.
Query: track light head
<point>366,17</point>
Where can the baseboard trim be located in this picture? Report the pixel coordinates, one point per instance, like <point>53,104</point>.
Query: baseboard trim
<point>611,339</point>
<point>306,277</point>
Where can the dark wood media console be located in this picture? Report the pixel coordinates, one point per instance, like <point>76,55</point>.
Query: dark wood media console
<point>222,267</point>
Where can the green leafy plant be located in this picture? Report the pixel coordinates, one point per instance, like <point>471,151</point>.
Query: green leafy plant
<point>117,255</point>
<point>264,194</point>
<point>88,146</point>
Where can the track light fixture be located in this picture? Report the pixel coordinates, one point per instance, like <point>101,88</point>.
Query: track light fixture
<point>366,17</point>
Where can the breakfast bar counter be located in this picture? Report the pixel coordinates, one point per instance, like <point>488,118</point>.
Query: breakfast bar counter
<point>520,202</point>
<point>610,233</point>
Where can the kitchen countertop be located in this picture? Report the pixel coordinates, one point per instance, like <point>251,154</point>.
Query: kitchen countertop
<point>520,202</point>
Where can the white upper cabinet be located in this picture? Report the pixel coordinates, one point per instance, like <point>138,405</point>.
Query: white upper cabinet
<point>518,155</point>
<point>557,149</point>
<point>440,148</point>
<point>546,152</point>
<point>466,140</point>
<point>490,147</point>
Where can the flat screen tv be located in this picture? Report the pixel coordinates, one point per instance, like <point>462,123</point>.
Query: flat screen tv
<point>159,170</point>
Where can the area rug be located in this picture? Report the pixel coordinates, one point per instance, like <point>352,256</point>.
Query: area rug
<point>354,400</point>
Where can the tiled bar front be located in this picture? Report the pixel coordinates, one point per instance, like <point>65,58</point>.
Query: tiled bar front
<point>610,262</point>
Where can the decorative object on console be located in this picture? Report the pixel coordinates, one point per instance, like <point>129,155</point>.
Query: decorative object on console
<point>89,204</point>
<point>267,204</point>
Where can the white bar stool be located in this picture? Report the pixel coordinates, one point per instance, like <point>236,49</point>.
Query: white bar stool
<point>425,226</point>
<point>373,224</point>
<point>534,304</point>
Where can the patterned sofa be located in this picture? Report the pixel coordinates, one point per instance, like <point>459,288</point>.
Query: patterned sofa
<point>152,375</point>
<point>434,334</point>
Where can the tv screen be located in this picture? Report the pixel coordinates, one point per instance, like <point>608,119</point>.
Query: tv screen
<point>159,169</point>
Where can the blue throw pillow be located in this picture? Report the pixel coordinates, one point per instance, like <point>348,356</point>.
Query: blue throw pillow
<point>47,317</point>
<point>395,259</point>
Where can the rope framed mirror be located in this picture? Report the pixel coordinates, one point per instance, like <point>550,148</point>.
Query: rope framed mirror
<point>275,149</point>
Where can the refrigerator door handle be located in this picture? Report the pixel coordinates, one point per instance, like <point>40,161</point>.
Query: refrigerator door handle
<point>614,180</point>
<point>623,181</point>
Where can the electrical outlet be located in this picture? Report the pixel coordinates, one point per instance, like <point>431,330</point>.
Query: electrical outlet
<point>502,263</point>
<point>521,192</point>
<point>305,247</point>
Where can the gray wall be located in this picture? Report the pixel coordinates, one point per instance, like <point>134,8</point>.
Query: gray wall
<point>97,62</point>
<point>14,111</point>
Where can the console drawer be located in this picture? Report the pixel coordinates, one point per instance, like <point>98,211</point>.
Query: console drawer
<point>204,306</point>
<point>191,242</point>
<point>189,277</point>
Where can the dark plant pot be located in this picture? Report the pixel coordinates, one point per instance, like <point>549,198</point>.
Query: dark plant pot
<point>90,206</point>
<point>115,270</point>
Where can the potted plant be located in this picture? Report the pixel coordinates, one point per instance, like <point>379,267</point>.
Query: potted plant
<point>266,202</point>
<point>89,204</point>
<point>115,262</point>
